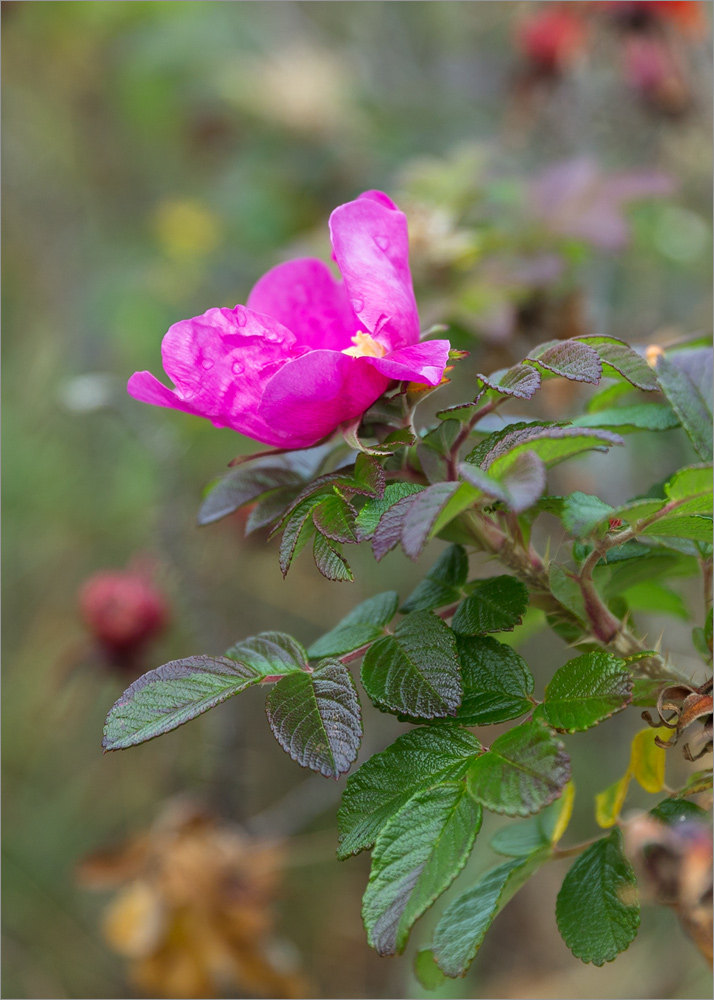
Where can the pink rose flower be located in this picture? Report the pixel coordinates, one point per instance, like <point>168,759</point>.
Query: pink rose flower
<point>307,352</point>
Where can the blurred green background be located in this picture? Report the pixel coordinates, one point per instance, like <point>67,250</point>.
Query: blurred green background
<point>157,158</point>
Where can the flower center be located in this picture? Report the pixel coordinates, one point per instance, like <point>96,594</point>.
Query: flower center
<point>365,346</point>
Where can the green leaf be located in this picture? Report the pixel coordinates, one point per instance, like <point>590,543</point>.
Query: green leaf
<point>572,359</point>
<point>611,394</point>
<point>694,526</point>
<point>566,590</point>
<point>316,719</point>
<point>416,857</point>
<point>687,402</point>
<point>597,909</point>
<point>330,561</point>
<point>369,476</point>
<point>384,783</point>
<point>496,684</point>
<point>460,932</point>
<point>552,443</point>
<point>520,487</point>
<point>524,770</point>
<point>496,681</point>
<point>645,691</point>
<point>416,670</point>
<point>370,515</point>
<point>443,583</point>
<point>587,690</point>
<point>642,417</point>
<point>496,605</point>
<point>165,698</point>
<point>271,507</point>
<point>270,653</point>
<point>618,359</point>
<point>335,519</point>
<point>427,971</point>
<point>700,781</point>
<point>297,532</point>
<point>673,811</point>
<point>256,476</point>
<point>422,515</point>
<point>654,598</point>
<point>363,624</point>
<point>521,839</point>
<point>692,482</point>
<point>521,381</point>
<point>582,513</point>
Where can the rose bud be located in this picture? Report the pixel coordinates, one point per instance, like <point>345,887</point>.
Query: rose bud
<point>307,352</point>
<point>123,610</point>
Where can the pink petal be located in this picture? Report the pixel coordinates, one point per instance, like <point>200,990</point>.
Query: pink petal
<point>371,247</point>
<point>423,362</point>
<point>220,363</point>
<point>306,298</point>
<point>308,397</point>
<point>381,197</point>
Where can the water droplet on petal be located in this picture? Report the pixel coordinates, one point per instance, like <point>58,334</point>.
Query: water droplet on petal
<point>382,242</point>
<point>241,318</point>
<point>207,364</point>
<point>358,305</point>
<point>237,368</point>
<point>273,337</point>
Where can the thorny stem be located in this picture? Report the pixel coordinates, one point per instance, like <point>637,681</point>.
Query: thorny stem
<point>464,434</point>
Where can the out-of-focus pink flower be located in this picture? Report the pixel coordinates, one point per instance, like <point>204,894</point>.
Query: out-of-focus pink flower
<point>307,352</point>
<point>123,610</point>
<point>575,198</point>
<point>551,38</point>
<point>651,69</point>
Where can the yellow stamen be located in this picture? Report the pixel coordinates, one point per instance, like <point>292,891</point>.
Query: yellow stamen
<point>365,346</point>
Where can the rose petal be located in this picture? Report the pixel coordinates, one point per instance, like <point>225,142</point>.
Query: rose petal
<point>423,362</point>
<point>307,398</point>
<point>220,362</point>
<point>371,248</point>
<point>306,298</point>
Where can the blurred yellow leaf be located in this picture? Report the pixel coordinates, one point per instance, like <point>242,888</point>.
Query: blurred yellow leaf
<point>566,811</point>
<point>133,923</point>
<point>608,804</point>
<point>647,759</point>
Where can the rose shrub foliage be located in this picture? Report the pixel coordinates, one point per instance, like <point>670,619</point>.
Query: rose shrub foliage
<point>309,356</point>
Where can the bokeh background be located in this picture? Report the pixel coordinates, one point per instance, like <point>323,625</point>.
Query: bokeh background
<point>157,158</point>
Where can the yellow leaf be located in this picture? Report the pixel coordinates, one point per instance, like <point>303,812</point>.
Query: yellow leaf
<point>608,804</point>
<point>566,811</point>
<point>647,759</point>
